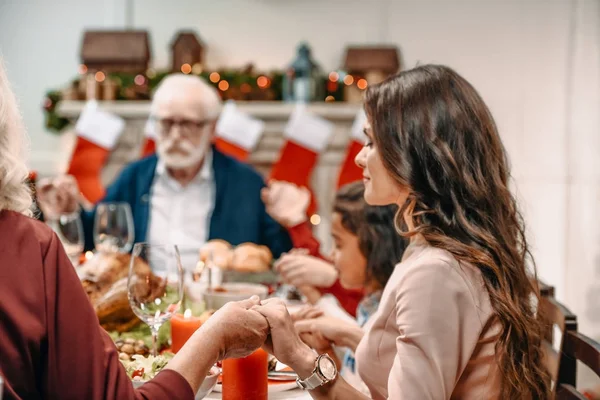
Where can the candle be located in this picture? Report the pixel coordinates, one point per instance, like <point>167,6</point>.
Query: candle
<point>183,327</point>
<point>246,378</point>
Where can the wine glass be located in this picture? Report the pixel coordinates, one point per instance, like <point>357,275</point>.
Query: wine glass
<point>155,285</point>
<point>69,229</point>
<point>113,227</point>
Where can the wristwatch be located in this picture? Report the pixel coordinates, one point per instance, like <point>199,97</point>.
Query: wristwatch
<point>325,371</point>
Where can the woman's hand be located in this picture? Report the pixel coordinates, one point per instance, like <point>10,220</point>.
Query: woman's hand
<point>304,270</point>
<point>334,330</point>
<point>283,342</point>
<point>237,328</point>
<point>286,203</point>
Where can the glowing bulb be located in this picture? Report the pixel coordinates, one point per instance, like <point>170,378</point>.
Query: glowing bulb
<point>315,219</point>
<point>89,255</point>
<point>139,80</point>
<point>334,76</point>
<point>245,88</point>
<point>186,68</point>
<point>348,80</point>
<point>83,69</point>
<point>223,85</point>
<point>214,77</point>
<point>197,68</point>
<point>329,98</point>
<point>100,77</point>
<point>262,82</point>
<point>362,84</point>
<point>151,73</point>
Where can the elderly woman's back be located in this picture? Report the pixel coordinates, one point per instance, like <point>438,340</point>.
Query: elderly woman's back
<point>51,345</point>
<point>47,321</point>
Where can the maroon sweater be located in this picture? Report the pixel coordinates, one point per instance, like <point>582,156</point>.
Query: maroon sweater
<point>51,345</point>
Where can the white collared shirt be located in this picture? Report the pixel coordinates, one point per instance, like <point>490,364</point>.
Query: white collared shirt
<point>181,214</point>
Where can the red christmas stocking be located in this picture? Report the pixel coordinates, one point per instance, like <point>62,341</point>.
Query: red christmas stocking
<point>349,171</point>
<point>237,132</point>
<point>97,134</point>
<point>149,146</point>
<point>306,137</point>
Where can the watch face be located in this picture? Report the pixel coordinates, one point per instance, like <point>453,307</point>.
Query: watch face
<point>327,368</point>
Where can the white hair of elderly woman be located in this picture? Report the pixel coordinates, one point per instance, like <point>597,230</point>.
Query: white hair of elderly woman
<point>14,191</point>
<point>193,86</point>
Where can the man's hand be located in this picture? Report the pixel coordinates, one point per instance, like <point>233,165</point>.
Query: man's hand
<point>286,203</point>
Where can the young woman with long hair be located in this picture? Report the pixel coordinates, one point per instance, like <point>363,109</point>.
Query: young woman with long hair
<point>457,318</point>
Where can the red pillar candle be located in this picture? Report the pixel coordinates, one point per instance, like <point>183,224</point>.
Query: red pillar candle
<point>183,327</point>
<point>246,378</point>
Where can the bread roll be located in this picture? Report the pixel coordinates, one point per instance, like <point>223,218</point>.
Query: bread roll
<point>249,257</point>
<point>221,253</point>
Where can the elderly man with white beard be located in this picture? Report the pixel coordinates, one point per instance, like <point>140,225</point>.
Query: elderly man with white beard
<point>189,192</point>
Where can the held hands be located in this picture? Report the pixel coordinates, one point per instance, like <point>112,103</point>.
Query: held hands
<point>304,270</point>
<point>283,342</point>
<point>237,328</point>
<point>286,203</point>
<point>58,196</point>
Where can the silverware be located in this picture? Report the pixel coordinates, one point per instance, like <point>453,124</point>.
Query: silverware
<point>282,375</point>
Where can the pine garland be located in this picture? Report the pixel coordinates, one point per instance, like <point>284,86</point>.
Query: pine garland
<point>245,85</point>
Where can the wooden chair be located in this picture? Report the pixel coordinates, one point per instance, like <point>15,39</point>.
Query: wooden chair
<point>561,369</point>
<point>545,292</point>
<point>577,347</point>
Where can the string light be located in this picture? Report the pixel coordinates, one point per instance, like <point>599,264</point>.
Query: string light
<point>139,80</point>
<point>262,82</point>
<point>214,77</point>
<point>223,85</point>
<point>348,80</point>
<point>315,219</point>
<point>329,98</point>
<point>245,88</point>
<point>186,68</point>
<point>362,84</point>
<point>334,76</point>
<point>83,69</point>
<point>100,77</point>
<point>151,73</point>
<point>197,68</point>
<point>89,255</point>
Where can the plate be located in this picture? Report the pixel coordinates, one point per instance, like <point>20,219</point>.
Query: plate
<point>274,386</point>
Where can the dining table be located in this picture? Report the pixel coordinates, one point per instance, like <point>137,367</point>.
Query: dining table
<point>296,394</point>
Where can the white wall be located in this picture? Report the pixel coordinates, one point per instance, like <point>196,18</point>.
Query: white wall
<point>534,62</point>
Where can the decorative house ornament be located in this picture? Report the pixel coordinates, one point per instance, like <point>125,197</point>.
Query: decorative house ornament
<point>187,52</point>
<point>116,51</point>
<point>302,77</point>
<point>368,65</point>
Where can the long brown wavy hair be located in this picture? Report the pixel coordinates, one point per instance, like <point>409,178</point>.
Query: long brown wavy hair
<point>437,138</point>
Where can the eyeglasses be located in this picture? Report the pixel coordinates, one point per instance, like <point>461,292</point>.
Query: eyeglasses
<point>187,127</point>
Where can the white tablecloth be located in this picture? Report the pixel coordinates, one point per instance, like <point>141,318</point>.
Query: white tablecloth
<point>295,394</point>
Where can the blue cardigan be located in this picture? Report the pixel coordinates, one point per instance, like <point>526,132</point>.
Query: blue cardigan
<point>239,214</point>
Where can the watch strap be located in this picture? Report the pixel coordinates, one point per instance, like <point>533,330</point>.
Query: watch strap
<point>312,382</point>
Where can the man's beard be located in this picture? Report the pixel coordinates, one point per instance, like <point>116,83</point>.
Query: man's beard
<point>187,156</point>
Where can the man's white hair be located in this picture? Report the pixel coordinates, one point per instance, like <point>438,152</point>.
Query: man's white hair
<point>14,191</point>
<point>191,85</point>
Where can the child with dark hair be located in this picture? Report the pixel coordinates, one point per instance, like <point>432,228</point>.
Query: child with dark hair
<point>367,248</point>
